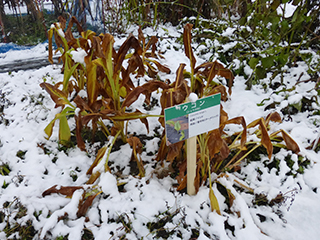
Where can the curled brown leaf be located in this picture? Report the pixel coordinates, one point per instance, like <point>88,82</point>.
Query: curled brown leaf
<point>67,191</point>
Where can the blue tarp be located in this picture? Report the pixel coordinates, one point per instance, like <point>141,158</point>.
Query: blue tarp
<point>5,47</point>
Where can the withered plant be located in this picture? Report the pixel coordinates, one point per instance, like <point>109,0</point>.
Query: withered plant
<point>217,152</point>
<point>108,87</point>
<point>110,90</point>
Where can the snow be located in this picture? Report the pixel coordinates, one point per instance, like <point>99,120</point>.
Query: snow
<point>29,109</point>
<point>288,9</point>
<point>78,55</point>
<point>193,97</point>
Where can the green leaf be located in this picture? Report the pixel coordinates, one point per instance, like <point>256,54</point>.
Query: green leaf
<point>64,130</point>
<point>253,62</point>
<point>68,111</point>
<point>282,59</point>
<point>284,25</point>
<point>296,2</point>
<point>274,5</point>
<point>68,71</point>
<point>49,127</point>
<point>297,105</point>
<point>261,72</point>
<point>267,62</point>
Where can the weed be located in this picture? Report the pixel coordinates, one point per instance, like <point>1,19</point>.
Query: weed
<point>5,169</point>
<point>21,154</point>
<point>11,214</point>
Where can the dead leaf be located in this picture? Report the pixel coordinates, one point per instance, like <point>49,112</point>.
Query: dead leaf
<point>84,205</point>
<point>216,144</point>
<point>187,44</point>
<point>67,191</point>
<point>274,117</point>
<point>240,121</point>
<point>265,138</point>
<point>291,144</point>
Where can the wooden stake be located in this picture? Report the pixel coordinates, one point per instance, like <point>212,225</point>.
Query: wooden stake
<point>191,164</point>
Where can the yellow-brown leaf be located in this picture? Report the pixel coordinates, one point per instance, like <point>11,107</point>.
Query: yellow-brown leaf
<point>214,202</point>
<point>291,144</point>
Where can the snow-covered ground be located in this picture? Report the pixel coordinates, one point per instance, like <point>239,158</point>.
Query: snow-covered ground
<point>36,164</point>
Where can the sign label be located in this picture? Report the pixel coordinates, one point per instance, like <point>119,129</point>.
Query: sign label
<point>192,118</point>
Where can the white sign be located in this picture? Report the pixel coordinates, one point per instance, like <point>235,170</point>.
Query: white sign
<point>193,118</point>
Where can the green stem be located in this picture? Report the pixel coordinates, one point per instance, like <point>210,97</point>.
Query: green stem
<point>109,151</point>
<point>244,156</point>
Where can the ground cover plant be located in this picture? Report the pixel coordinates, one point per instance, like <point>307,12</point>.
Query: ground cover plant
<point>122,181</point>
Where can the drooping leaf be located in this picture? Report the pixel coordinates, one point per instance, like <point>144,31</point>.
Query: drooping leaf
<point>143,120</point>
<point>160,67</point>
<point>131,42</point>
<point>146,89</point>
<point>174,151</point>
<point>212,69</point>
<point>274,117</point>
<point>141,37</point>
<point>183,184</point>
<point>67,191</point>
<point>180,78</point>
<point>240,121</point>
<point>85,204</point>
<point>82,104</point>
<point>152,72</point>
<point>100,154</point>
<point>223,116</point>
<point>49,128</point>
<point>153,40</point>
<point>216,144</point>
<point>291,144</point>
<point>72,21</point>
<point>59,97</point>
<point>214,202</point>
<point>265,139</point>
<point>135,143</point>
<point>135,62</point>
<point>187,45</point>
<point>217,89</point>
